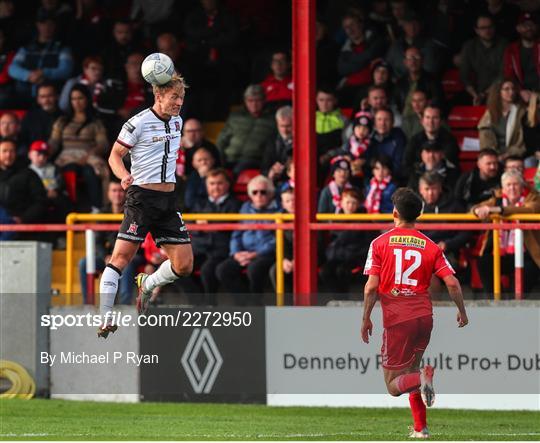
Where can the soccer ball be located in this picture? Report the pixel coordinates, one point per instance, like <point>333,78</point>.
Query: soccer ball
<point>157,68</point>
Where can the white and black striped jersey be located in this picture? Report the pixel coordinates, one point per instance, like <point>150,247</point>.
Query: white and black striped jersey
<point>153,144</point>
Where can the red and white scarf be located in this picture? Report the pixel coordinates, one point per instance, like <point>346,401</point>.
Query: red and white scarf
<point>358,147</point>
<point>336,194</point>
<point>508,238</point>
<point>374,196</point>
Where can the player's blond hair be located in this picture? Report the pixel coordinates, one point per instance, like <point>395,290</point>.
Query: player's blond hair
<point>176,82</point>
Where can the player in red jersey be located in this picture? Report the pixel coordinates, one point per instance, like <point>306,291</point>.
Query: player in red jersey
<point>400,265</point>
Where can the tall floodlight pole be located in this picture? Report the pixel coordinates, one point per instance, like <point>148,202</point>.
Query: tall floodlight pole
<point>305,152</point>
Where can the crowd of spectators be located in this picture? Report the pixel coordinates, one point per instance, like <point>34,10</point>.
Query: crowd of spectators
<point>71,69</point>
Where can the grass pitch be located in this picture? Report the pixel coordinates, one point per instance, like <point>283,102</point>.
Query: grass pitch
<point>68,420</point>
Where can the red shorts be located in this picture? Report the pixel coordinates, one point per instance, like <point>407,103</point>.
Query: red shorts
<point>401,342</point>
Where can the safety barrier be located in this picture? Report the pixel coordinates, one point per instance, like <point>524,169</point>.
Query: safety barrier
<point>372,222</point>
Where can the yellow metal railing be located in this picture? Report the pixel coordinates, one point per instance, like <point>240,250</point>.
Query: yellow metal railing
<point>279,218</point>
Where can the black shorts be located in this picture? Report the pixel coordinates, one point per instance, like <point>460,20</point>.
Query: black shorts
<point>155,212</point>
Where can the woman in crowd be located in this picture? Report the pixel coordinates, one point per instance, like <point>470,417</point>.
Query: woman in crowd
<point>501,127</point>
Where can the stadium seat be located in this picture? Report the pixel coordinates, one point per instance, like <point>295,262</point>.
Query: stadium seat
<point>347,112</point>
<point>212,130</point>
<point>451,83</point>
<point>70,179</point>
<point>528,175</point>
<point>465,117</point>
<point>240,185</point>
<point>20,113</point>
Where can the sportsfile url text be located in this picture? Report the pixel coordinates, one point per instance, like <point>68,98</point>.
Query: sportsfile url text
<point>180,319</point>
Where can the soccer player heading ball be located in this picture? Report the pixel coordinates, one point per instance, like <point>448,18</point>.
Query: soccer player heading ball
<point>152,138</point>
<point>400,265</point>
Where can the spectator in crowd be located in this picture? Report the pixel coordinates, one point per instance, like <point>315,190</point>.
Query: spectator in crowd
<point>531,131</point>
<point>211,41</point>
<point>387,140</point>
<point>346,251</point>
<point>116,52</point>
<point>505,16</point>
<point>356,146</point>
<point>329,122</point>
<point>246,132</point>
<point>38,121</point>
<point>522,57</point>
<point>210,248</point>
<point>43,59</point>
<point>17,25</point>
<point>278,85</point>
<point>480,61</point>
<point>501,125</point>
<point>380,17</point>
<point>90,28</point>
<point>515,197</point>
<point>10,129</point>
<point>91,77</point>
<point>278,150</point>
<point>432,159</point>
<point>116,196</point>
<point>287,205</point>
<point>136,92</point>
<point>360,49</point>
<point>202,163</point>
<point>440,200</point>
<point>192,139</point>
<point>412,36</point>
<point>62,13</point>
<point>58,203</point>
<point>330,198</point>
<point>22,194</point>
<point>432,132</point>
<point>288,181</point>
<point>416,78</point>
<point>399,10</point>
<point>378,99</point>
<point>251,250</point>
<point>327,52</point>
<point>382,77</point>
<point>412,122</point>
<point>478,185</point>
<point>6,83</point>
<point>154,16</point>
<point>79,139</point>
<point>380,187</point>
<point>514,162</point>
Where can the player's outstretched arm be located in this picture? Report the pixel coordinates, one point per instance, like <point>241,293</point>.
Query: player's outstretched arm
<point>117,165</point>
<point>454,289</point>
<point>370,298</point>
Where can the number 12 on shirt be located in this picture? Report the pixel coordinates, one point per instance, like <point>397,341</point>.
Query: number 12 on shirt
<point>402,275</point>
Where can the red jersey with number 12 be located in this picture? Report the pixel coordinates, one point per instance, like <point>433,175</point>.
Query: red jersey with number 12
<point>405,260</point>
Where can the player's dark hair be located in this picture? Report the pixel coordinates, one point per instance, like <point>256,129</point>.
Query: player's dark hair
<point>408,204</point>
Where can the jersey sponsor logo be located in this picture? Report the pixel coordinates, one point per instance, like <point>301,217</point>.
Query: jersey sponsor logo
<point>129,127</point>
<point>162,138</point>
<point>133,228</point>
<point>407,240</point>
<point>177,126</point>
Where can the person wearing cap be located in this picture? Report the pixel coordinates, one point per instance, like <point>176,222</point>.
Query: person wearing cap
<point>357,144</point>
<point>381,76</point>
<point>433,131</point>
<point>432,159</point>
<point>43,59</point>
<point>330,198</point>
<point>246,132</point>
<point>359,50</point>
<point>480,59</point>
<point>522,57</point>
<point>22,194</point>
<point>412,36</point>
<point>53,182</point>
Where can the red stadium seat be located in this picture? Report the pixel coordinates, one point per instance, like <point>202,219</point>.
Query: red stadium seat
<point>528,175</point>
<point>465,117</point>
<point>347,112</point>
<point>451,83</point>
<point>70,179</point>
<point>240,186</point>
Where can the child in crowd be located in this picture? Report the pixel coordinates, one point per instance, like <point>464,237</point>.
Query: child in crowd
<point>358,142</point>
<point>330,198</point>
<point>380,188</point>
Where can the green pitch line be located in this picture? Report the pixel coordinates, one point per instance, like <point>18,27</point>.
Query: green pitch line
<point>67,420</point>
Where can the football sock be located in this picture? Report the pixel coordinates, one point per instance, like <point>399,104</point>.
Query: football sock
<point>108,286</point>
<point>161,277</point>
<point>418,410</point>
<point>407,382</point>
